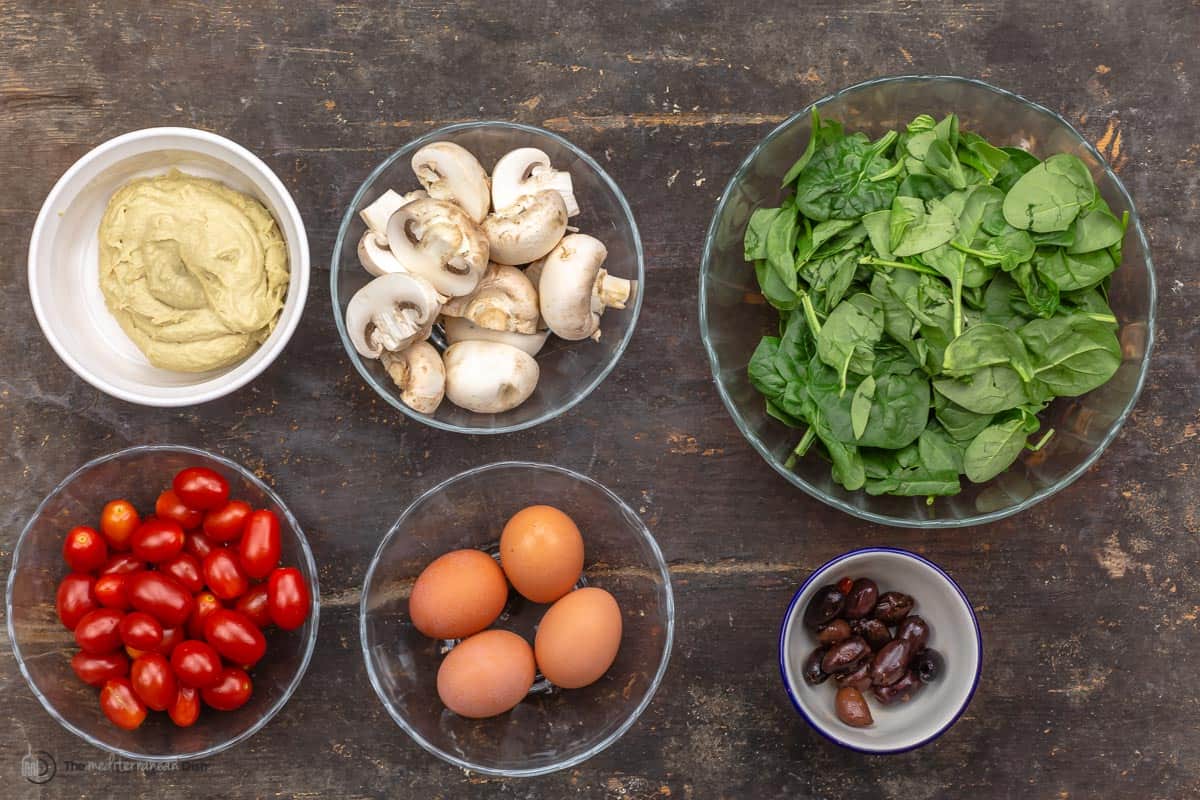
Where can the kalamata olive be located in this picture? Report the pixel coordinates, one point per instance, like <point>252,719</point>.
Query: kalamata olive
<point>845,655</point>
<point>874,631</point>
<point>826,604</point>
<point>893,607</point>
<point>813,674</point>
<point>890,663</point>
<point>860,678</point>
<point>899,692</point>
<point>861,599</point>
<point>852,707</point>
<point>913,630</point>
<point>928,665</point>
<point>834,632</point>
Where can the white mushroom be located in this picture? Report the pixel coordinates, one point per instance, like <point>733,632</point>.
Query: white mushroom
<point>526,230</point>
<point>390,313</point>
<point>574,291</point>
<point>377,214</point>
<point>534,271</point>
<point>527,170</point>
<point>489,377</point>
<point>438,241</point>
<point>449,172</point>
<point>376,258</point>
<point>461,329</point>
<point>419,374</point>
<point>504,300</point>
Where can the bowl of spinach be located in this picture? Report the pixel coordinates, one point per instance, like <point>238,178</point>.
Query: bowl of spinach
<point>927,301</point>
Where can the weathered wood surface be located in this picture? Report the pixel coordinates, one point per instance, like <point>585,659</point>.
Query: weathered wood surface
<point>1088,603</point>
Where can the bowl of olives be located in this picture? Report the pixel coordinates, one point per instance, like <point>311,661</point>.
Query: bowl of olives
<point>880,650</point>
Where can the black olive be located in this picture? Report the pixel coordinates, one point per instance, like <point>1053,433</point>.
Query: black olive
<point>813,674</point>
<point>874,631</point>
<point>899,692</point>
<point>913,630</point>
<point>861,599</point>
<point>826,604</point>
<point>845,656</point>
<point>891,663</point>
<point>834,632</point>
<point>928,665</point>
<point>859,679</point>
<point>852,708</point>
<point>893,607</point>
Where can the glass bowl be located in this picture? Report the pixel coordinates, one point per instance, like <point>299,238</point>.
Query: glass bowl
<point>551,729</point>
<point>43,647</point>
<point>569,370</point>
<point>733,316</point>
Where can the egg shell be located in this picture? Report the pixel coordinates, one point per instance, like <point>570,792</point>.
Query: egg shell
<point>459,594</point>
<point>578,638</point>
<point>486,675</point>
<point>541,551</point>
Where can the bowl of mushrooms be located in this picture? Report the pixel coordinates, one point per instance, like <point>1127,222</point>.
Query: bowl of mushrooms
<point>487,277</point>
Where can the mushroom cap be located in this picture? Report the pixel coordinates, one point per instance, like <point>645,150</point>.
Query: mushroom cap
<point>527,170</point>
<point>438,241</point>
<point>390,313</point>
<point>489,377</point>
<point>375,257</point>
<point>526,230</point>
<point>380,210</point>
<point>450,172</point>
<point>419,374</point>
<point>567,288</point>
<point>461,329</point>
<point>504,300</point>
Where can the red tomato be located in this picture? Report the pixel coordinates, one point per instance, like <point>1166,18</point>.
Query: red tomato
<point>260,545</point>
<point>254,604</point>
<point>224,575</point>
<point>160,596</point>
<point>196,664</point>
<point>230,692</point>
<point>84,549</point>
<point>288,598</point>
<point>123,564</point>
<point>184,568</point>
<point>98,670</point>
<point>206,603</point>
<point>198,544</point>
<point>110,592</point>
<point>201,488</point>
<point>172,637</point>
<point>141,631</point>
<point>99,631</point>
<point>153,680</point>
<point>118,521</point>
<point>185,709</point>
<point>121,704</point>
<point>75,598</point>
<point>169,506</point>
<point>157,540</point>
<point>234,636</point>
<point>225,524</point>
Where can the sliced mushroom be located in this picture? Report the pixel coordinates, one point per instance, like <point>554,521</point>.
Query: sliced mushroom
<point>504,300</point>
<point>375,258</point>
<point>489,377</point>
<point>377,214</point>
<point>461,329</point>
<point>419,374</point>
<point>438,241</point>
<point>574,290</point>
<point>390,313</point>
<point>526,230</point>
<point>449,172</point>
<point>527,170</point>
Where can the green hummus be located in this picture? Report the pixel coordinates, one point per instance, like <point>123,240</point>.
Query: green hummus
<point>195,272</point>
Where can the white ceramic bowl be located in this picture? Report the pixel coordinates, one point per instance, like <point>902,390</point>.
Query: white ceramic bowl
<point>954,632</point>
<point>64,263</point>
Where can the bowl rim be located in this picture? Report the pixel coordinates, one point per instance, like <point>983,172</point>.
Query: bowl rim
<point>314,611</point>
<point>838,503</point>
<point>817,575</point>
<point>620,730</point>
<point>298,266</point>
<point>348,220</point>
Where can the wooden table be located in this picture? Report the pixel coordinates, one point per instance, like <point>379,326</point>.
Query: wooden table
<point>1088,602</point>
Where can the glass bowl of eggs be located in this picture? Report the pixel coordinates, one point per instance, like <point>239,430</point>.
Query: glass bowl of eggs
<point>517,619</point>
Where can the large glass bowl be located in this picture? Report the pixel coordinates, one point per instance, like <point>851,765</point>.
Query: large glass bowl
<point>733,316</point>
<point>43,647</point>
<point>569,370</point>
<point>551,729</point>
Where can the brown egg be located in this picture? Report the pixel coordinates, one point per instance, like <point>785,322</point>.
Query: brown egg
<point>542,553</point>
<point>578,638</point>
<point>459,594</point>
<point>486,674</point>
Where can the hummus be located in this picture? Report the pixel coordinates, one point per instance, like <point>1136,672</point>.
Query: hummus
<point>195,272</point>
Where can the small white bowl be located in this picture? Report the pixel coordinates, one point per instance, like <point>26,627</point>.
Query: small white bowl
<point>954,632</point>
<point>64,280</point>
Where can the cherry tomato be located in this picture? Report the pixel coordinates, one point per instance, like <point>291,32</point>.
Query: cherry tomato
<point>254,604</point>
<point>206,603</point>
<point>75,598</point>
<point>185,708</point>
<point>157,540</point>
<point>160,596</point>
<point>98,670</point>
<point>196,663</point>
<point>172,638</point>
<point>121,704</point>
<point>99,631</point>
<point>153,680</point>
<point>234,636</point>
<point>118,521</point>
<point>141,631</point>
<point>184,568</point>
<point>259,548</point>
<point>198,544</point>
<point>201,488</point>
<point>288,598</point>
<point>225,524</point>
<point>110,592</point>
<point>230,692</point>
<point>84,549</point>
<point>123,564</point>
<point>224,575</point>
<point>169,506</point>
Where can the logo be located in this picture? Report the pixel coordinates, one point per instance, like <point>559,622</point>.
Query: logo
<point>38,766</point>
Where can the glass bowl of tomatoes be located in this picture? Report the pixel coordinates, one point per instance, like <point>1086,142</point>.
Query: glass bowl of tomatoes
<point>162,603</point>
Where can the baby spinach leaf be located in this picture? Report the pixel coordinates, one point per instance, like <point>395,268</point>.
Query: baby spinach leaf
<point>763,375</point>
<point>781,243</point>
<point>981,156</point>
<point>847,339</point>
<point>934,223</point>
<point>924,186</point>
<point>1050,196</point>
<point>959,423</point>
<point>1096,229</point>
<point>986,345</point>
<point>1040,292</point>
<point>836,184</point>
<point>756,232</point>
<point>1072,355</point>
<point>993,450</point>
<point>822,133</point>
<point>942,161</point>
<point>860,405</point>
<point>988,391</point>
<point>1019,162</point>
<point>878,225</point>
<point>1069,271</point>
<point>938,451</point>
<point>776,292</point>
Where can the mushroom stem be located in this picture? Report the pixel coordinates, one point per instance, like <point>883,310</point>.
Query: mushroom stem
<point>613,292</point>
